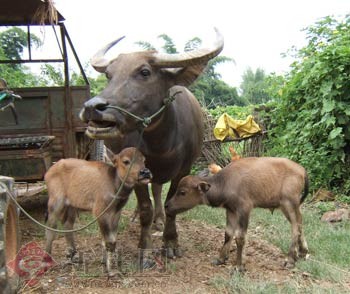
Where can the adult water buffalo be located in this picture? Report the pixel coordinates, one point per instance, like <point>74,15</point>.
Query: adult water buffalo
<point>139,83</point>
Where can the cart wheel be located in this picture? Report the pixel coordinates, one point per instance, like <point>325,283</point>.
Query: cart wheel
<point>97,150</point>
<point>9,238</point>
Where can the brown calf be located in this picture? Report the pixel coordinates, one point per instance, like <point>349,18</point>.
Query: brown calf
<point>91,185</point>
<point>264,182</point>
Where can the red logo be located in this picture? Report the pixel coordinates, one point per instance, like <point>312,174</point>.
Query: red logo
<point>31,263</point>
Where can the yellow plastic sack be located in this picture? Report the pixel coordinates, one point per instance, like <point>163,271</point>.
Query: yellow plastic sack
<point>226,126</point>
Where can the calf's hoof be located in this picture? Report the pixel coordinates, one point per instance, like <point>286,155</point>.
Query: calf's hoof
<point>289,264</point>
<point>172,252</point>
<point>70,253</point>
<point>238,269</point>
<point>112,274</point>
<point>158,225</point>
<point>304,254</point>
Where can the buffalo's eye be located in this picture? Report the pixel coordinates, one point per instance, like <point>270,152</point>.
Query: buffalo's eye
<point>182,193</point>
<point>126,161</point>
<point>145,72</point>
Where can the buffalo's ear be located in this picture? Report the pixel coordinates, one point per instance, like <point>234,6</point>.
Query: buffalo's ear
<point>187,75</point>
<point>204,186</point>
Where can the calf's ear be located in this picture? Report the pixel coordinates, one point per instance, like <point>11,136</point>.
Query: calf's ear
<point>203,186</point>
<point>115,160</point>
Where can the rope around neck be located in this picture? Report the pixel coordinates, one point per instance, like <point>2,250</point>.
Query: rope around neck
<point>145,122</point>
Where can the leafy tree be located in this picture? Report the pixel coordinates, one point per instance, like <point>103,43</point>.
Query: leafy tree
<point>97,85</point>
<point>312,118</point>
<point>254,86</point>
<point>169,45</point>
<point>52,75</point>
<point>145,45</point>
<point>13,41</point>
<point>16,76</point>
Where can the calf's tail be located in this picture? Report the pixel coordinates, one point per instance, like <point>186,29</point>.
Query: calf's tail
<point>306,188</point>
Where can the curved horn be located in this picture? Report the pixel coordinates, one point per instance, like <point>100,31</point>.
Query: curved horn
<point>194,57</point>
<point>98,61</point>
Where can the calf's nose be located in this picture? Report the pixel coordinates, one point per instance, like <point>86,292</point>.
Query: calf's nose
<point>146,173</point>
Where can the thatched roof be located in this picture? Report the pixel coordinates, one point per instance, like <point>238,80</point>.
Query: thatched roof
<point>28,12</point>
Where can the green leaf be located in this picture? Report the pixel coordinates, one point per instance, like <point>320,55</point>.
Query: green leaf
<point>335,133</point>
<point>328,106</point>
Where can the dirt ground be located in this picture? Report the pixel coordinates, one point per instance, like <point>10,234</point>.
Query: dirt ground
<point>193,273</point>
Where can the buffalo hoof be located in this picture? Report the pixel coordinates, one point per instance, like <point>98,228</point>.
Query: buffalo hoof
<point>178,252</point>
<point>169,253</point>
<point>218,261</point>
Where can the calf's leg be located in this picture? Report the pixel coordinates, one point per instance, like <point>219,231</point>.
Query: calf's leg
<point>108,224</point>
<point>50,235</point>
<point>231,226</point>
<point>54,209</point>
<point>240,239</point>
<point>68,224</point>
<point>289,210</point>
<point>303,248</point>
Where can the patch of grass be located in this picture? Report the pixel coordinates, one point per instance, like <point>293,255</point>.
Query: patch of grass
<point>86,217</point>
<point>238,283</point>
<point>82,220</point>
<point>328,244</point>
<point>212,216</point>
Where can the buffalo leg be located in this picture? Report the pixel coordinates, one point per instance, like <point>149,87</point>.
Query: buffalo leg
<point>170,236</point>
<point>146,216</point>
<point>159,216</point>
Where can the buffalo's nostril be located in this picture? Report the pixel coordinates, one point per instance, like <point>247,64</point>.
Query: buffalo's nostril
<point>96,103</point>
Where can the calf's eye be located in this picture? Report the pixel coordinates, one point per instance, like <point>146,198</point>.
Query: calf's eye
<point>126,161</point>
<point>145,72</point>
